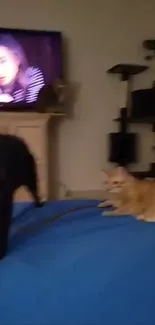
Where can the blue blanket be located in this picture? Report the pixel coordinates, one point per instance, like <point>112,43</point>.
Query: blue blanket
<point>82,269</point>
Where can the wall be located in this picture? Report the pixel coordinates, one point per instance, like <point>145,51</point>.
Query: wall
<point>100,34</point>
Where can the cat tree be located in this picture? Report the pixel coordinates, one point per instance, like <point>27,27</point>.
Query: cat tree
<point>126,142</point>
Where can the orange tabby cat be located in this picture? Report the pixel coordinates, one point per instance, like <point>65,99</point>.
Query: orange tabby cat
<point>128,195</point>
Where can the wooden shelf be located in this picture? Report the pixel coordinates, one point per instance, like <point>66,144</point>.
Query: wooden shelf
<point>127,69</point>
<point>143,174</point>
<point>137,120</point>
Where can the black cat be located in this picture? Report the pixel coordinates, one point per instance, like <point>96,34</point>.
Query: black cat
<point>17,168</point>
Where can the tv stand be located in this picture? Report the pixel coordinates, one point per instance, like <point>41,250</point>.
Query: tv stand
<point>34,129</point>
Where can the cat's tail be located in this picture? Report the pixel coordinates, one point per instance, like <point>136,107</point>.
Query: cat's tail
<point>32,180</point>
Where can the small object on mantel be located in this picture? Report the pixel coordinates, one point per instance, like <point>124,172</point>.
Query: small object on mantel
<point>127,70</point>
<point>61,89</point>
<point>52,98</point>
<point>47,98</point>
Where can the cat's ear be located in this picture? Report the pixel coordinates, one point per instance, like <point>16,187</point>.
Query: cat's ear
<point>122,172</point>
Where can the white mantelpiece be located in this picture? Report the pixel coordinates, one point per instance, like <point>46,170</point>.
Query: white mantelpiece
<point>33,128</point>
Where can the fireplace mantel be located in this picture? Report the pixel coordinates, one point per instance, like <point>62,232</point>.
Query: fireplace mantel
<point>29,115</point>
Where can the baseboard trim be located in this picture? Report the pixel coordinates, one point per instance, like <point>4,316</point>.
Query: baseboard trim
<point>87,194</point>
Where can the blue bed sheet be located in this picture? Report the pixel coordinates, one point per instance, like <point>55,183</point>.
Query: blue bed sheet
<point>82,269</point>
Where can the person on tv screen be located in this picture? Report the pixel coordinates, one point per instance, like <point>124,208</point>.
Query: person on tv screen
<point>18,81</point>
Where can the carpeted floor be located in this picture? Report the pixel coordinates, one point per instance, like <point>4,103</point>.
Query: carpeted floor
<point>82,269</point>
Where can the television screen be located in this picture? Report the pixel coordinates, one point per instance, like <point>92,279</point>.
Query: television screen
<point>29,60</point>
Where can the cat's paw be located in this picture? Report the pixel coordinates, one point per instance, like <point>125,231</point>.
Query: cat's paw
<point>148,218</point>
<point>101,205</point>
<point>140,217</point>
<point>104,204</point>
<point>109,213</point>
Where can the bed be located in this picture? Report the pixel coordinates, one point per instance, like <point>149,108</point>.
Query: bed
<point>80,269</point>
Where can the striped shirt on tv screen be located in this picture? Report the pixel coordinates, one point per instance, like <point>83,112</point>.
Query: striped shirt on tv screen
<point>35,81</point>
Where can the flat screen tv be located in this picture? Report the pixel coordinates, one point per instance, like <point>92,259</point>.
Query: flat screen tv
<point>29,60</point>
